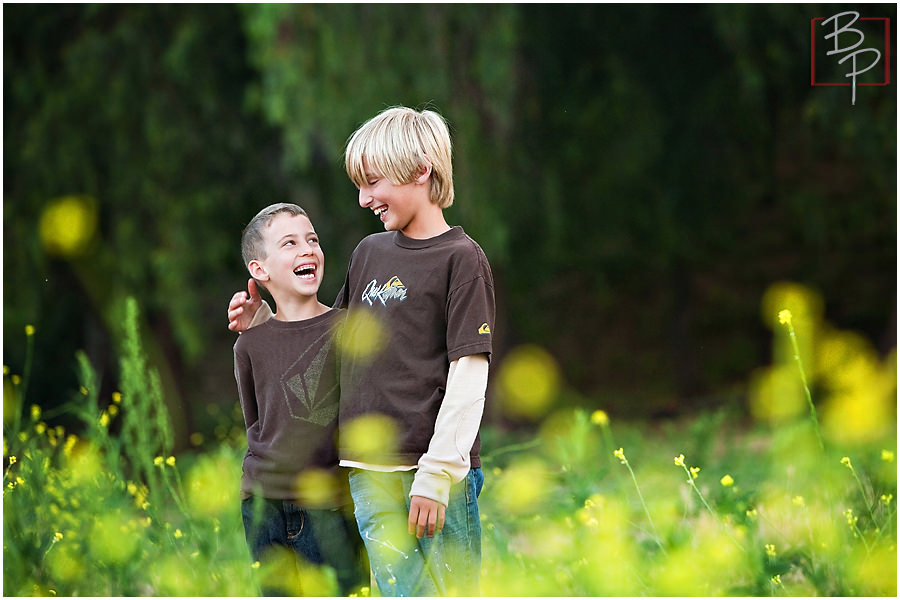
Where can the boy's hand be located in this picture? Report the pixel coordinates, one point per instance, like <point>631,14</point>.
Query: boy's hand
<point>426,516</point>
<point>243,306</point>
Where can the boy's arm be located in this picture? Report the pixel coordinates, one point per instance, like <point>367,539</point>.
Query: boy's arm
<point>447,460</point>
<point>243,375</point>
<point>248,309</point>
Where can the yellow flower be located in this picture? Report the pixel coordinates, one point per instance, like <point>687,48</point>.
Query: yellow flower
<point>170,461</point>
<point>6,369</point>
<point>83,390</point>
<point>35,412</point>
<point>887,456</point>
<point>679,460</point>
<point>727,480</point>
<point>29,330</point>
<point>113,410</point>
<point>846,462</point>
<point>770,549</point>
<point>104,419</point>
<point>12,460</point>
<point>752,513</point>
<point>255,565</point>
<point>178,534</point>
<point>784,317</point>
<point>799,501</point>
<point>19,480</point>
<point>57,536</point>
<point>40,428</point>
<point>117,397</point>
<point>776,579</point>
<point>71,440</point>
<point>132,488</point>
<point>158,461</point>
<point>694,472</point>
<point>620,454</point>
<point>599,417</point>
<point>886,498</point>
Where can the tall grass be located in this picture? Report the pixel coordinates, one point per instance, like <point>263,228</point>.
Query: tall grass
<point>712,505</point>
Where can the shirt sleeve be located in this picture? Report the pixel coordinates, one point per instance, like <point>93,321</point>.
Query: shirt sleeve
<point>243,374</point>
<point>447,460</point>
<point>263,314</point>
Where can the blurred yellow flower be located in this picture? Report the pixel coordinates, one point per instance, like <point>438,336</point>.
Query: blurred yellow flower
<point>83,390</point>
<point>170,461</point>
<point>113,410</point>
<point>158,461</point>
<point>12,460</point>
<point>694,472</point>
<point>752,513</point>
<point>178,534</point>
<point>40,428</point>
<point>16,380</point>
<point>57,536</point>
<point>846,462</point>
<point>620,454</point>
<point>727,480</point>
<point>784,317</point>
<point>104,419</point>
<point>68,225</point>
<point>679,460</point>
<point>799,501</point>
<point>776,579</point>
<point>117,397</point>
<point>886,498</point>
<point>255,565</point>
<point>887,456</point>
<point>29,330</point>
<point>35,412</point>
<point>770,549</point>
<point>599,417</point>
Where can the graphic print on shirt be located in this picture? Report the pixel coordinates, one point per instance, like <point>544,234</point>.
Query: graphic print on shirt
<point>301,387</point>
<point>392,290</point>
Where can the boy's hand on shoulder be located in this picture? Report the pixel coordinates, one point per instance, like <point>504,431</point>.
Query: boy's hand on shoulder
<point>426,516</point>
<point>243,307</point>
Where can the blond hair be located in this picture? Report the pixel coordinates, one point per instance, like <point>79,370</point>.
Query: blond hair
<point>399,143</point>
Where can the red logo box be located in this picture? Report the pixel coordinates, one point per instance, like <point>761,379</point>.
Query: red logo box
<point>885,54</point>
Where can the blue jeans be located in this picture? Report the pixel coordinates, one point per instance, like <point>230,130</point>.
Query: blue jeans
<point>447,564</point>
<point>315,536</point>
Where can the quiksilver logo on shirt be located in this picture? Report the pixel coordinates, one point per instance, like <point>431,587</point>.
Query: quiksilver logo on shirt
<point>392,290</point>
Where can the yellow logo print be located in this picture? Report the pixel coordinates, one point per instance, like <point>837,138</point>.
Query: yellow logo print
<point>484,329</point>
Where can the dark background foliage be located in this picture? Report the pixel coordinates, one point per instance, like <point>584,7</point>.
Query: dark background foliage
<point>638,176</point>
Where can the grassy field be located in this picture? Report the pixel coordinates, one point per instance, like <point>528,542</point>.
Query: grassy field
<point>792,501</point>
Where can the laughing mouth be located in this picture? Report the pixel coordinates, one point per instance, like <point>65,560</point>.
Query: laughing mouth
<point>306,271</point>
<point>380,211</point>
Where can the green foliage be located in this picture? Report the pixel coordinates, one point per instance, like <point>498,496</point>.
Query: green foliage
<point>587,507</point>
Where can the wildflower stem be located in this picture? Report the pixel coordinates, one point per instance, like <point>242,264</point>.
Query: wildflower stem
<point>862,491</point>
<point>809,401</point>
<point>620,454</point>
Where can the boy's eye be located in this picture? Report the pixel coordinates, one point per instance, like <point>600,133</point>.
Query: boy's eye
<point>288,243</point>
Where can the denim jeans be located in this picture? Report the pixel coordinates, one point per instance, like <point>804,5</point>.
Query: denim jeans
<point>315,536</point>
<point>447,564</point>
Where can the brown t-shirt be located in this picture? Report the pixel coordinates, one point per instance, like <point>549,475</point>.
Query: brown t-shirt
<point>287,378</point>
<point>434,302</point>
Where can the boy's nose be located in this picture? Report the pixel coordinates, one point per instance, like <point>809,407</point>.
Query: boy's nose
<point>365,199</point>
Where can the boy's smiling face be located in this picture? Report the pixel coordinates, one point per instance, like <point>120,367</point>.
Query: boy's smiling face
<point>294,262</point>
<point>398,207</point>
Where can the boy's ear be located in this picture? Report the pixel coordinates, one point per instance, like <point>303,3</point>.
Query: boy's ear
<point>424,172</point>
<point>257,271</point>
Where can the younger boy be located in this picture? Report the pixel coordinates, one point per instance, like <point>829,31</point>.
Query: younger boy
<point>430,289</point>
<point>287,377</point>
